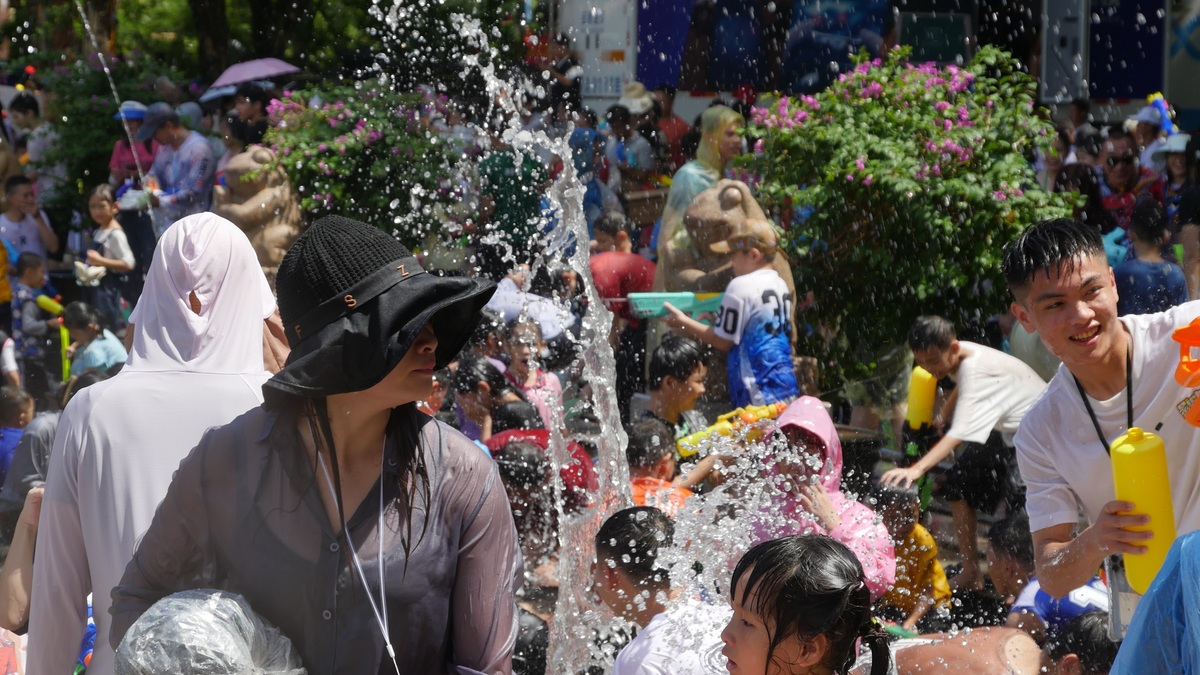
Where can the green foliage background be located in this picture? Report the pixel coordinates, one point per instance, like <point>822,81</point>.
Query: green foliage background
<point>899,186</point>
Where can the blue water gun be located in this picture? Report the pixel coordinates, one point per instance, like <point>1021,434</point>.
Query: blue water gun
<point>1159,103</point>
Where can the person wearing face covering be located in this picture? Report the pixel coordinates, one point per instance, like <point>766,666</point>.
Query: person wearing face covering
<point>196,362</point>
<point>818,505</point>
<point>377,539</point>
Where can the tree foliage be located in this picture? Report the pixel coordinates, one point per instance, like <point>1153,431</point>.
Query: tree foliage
<point>362,152</point>
<point>901,184</point>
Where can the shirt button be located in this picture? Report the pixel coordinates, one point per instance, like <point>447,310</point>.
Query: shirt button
<point>334,547</point>
<point>327,615</point>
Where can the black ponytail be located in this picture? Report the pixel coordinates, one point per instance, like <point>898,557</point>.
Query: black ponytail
<point>876,639</point>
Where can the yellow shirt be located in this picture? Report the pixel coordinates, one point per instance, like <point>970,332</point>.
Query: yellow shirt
<point>918,572</point>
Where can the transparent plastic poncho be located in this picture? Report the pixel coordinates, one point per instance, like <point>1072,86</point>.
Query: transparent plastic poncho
<point>1164,636</point>
<point>205,632</point>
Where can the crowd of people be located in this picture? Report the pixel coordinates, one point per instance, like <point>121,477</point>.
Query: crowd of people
<point>371,450</point>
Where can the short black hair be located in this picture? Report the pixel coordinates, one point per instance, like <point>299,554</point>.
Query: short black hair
<point>516,415</point>
<point>611,222</point>
<point>28,261</point>
<point>1086,636</point>
<point>630,541</point>
<point>1011,537</point>
<point>81,315</point>
<point>677,357</point>
<point>931,331</point>
<point>523,464</point>
<point>650,440</point>
<point>13,401</point>
<point>1083,104</point>
<point>896,495</point>
<point>1148,223</point>
<point>667,89</point>
<point>25,102</point>
<point>1051,245</point>
<point>618,114</point>
<point>255,93</point>
<point>14,182</point>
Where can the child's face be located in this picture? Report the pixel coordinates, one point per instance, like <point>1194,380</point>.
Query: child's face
<point>33,276</point>
<point>899,519</point>
<point>22,198</point>
<point>747,638</point>
<point>686,393</point>
<point>26,415</point>
<point>939,362</point>
<point>523,346</point>
<point>745,260</point>
<point>101,209</point>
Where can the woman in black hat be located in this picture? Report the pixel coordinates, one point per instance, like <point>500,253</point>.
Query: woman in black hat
<point>424,582</point>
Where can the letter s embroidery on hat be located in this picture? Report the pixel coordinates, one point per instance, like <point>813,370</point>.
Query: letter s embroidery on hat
<point>403,272</point>
<point>351,303</point>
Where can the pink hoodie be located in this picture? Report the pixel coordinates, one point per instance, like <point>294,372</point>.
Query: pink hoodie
<point>859,530</point>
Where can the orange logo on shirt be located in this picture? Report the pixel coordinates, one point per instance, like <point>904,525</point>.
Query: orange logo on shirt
<point>1187,373</point>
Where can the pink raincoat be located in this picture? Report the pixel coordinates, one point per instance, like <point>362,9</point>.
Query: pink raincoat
<point>859,529</point>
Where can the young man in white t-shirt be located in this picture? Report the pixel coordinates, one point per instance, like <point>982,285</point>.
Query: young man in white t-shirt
<point>993,392</point>
<point>1065,290</point>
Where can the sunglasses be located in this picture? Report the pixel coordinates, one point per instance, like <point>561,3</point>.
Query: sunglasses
<point>1127,160</point>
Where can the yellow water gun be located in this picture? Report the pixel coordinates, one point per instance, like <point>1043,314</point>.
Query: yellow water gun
<point>728,423</point>
<point>55,308</point>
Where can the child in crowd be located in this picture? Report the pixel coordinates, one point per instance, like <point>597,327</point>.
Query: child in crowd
<point>754,324</point>
<point>1149,284</point>
<point>479,388</point>
<point>921,583</point>
<point>994,391</point>
<point>92,346</point>
<point>651,455</point>
<point>626,574</point>
<point>30,325</point>
<point>25,224</point>
<point>677,373</point>
<point>805,466</point>
<point>1011,567</point>
<point>617,271</point>
<point>525,345</point>
<point>16,411</point>
<point>800,604</point>
<point>109,249</point>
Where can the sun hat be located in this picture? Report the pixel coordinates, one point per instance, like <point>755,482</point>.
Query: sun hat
<point>131,110</point>
<point>1174,143</point>
<point>1148,115</point>
<point>353,299</point>
<point>156,115</point>
<point>750,233</point>
<point>635,97</point>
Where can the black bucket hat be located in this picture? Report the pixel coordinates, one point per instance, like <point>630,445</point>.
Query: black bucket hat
<point>353,300</point>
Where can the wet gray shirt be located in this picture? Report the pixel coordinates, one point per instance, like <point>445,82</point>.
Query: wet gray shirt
<point>243,515</point>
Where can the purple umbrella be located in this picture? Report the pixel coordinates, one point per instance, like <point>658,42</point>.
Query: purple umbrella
<point>258,69</point>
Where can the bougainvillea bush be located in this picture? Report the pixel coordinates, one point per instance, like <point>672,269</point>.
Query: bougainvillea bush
<point>898,187</point>
<point>362,152</point>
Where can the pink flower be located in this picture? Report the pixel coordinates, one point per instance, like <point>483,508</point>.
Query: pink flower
<point>861,163</point>
<point>323,147</point>
<point>963,113</point>
<point>758,147</point>
<point>947,124</point>
<point>868,180</point>
<point>850,177</point>
<point>1000,196</point>
<point>941,106</point>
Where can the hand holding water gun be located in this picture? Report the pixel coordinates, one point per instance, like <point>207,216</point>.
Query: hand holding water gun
<point>646,305</point>
<point>53,307</point>
<point>728,423</point>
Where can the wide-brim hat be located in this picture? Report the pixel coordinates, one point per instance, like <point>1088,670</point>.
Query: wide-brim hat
<point>353,300</point>
<point>635,97</point>
<point>131,110</point>
<point>1174,143</point>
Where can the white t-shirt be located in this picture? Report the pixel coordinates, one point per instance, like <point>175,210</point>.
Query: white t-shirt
<point>1061,458</point>
<point>24,235</point>
<point>995,390</point>
<point>684,640</point>
<point>114,245</point>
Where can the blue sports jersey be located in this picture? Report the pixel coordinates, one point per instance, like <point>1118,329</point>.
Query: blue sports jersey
<point>756,315</point>
<point>1058,612</point>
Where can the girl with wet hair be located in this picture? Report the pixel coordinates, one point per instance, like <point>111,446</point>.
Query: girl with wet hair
<point>800,605</point>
